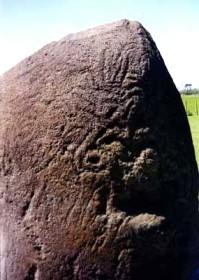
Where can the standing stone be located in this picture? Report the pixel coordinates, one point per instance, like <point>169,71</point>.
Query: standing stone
<point>98,175</point>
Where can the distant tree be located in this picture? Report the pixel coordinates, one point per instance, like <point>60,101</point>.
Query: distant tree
<point>188,87</point>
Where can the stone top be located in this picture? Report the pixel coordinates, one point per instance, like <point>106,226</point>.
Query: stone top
<point>118,25</point>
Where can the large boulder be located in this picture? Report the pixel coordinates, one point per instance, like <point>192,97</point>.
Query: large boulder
<point>98,175</point>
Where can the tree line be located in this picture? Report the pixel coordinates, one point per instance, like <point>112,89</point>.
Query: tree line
<point>194,91</point>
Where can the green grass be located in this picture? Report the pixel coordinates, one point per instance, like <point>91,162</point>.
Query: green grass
<point>194,125</point>
<point>191,104</point>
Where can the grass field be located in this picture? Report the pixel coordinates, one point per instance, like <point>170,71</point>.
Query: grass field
<point>194,125</point>
<point>191,104</point>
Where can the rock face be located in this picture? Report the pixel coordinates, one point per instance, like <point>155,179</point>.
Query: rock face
<point>98,174</point>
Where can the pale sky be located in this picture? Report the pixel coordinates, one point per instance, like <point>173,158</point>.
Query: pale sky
<point>27,25</point>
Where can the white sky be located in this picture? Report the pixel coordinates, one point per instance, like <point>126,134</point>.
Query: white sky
<point>27,25</point>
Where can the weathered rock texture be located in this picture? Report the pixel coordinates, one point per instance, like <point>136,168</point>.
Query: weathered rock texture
<point>98,175</point>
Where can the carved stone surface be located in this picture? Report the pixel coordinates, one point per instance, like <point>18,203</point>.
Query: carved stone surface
<point>98,175</point>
